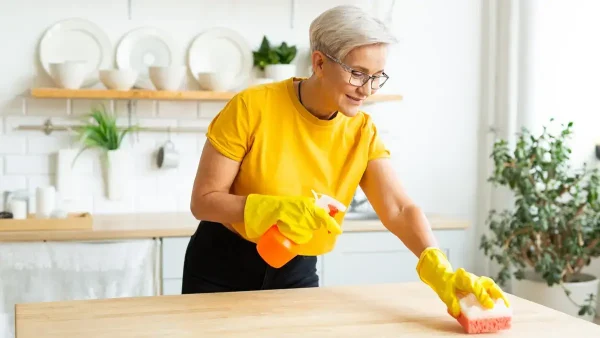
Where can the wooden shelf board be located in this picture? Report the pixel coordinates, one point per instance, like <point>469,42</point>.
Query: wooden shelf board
<point>195,95</point>
<point>59,93</point>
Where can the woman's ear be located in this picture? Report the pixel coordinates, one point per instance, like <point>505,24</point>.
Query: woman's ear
<point>318,60</point>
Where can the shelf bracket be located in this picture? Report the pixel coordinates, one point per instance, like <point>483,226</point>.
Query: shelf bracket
<point>69,107</point>
<point>132,110</point>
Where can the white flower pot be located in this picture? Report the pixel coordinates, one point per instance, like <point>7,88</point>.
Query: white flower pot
<point>280,72</point>
<point>535,289</point>
<point>115,164</point>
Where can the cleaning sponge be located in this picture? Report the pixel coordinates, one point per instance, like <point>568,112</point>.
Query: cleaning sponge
<point>474,318</point>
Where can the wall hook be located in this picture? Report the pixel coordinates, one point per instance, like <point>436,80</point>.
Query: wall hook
<point>48,127</point>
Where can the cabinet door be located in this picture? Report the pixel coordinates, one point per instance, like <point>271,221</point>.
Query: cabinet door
<point>173,254</point>
<point>375,257</point>
<point>366,258</point>
<point>171,286</point>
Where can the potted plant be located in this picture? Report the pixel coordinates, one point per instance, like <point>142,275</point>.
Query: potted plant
<point>553,230</point>
<point>275,61</point>
<point>101,132</point>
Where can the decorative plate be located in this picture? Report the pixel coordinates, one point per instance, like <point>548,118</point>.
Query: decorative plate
<point>221,50</point>
<point>76,40</point>
<point>145,47</point>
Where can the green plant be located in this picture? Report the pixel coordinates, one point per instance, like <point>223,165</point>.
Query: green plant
<point>270,55</point>
<point>554,227</point>
<point>101,131</point>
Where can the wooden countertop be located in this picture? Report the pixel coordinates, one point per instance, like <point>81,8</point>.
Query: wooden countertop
<point>390,310</point>
<point>150,225</point>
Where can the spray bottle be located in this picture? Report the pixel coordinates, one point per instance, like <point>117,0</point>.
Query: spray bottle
<point>276,249</point>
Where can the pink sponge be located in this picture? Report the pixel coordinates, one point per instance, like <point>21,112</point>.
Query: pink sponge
<point>474,318</point>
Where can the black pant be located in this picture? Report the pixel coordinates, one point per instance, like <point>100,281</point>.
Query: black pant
<point>218,260</point>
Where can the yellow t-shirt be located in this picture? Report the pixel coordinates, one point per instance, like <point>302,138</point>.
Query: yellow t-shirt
<point>285,150</point>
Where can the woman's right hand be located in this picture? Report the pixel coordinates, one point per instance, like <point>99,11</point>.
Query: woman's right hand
<point>297,217</point>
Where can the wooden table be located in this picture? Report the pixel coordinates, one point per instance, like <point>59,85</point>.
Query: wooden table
<point>394,310</point>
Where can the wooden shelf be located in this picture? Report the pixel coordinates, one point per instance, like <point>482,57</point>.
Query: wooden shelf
<point>196,95</point>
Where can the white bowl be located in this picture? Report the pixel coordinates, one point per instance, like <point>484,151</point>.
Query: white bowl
<point>68,74</point>
<point>167,78</point>
<point>214,81</point>
<point>118,79</point>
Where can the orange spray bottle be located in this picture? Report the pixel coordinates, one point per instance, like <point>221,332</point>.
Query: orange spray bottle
<point>276,249</point>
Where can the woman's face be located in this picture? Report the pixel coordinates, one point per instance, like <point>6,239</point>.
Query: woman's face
<point>344,77</point>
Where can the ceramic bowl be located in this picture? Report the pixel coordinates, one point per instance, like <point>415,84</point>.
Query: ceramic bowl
<point>68,74</point>
<point>167,78</point>
<point>118,79</point>
<point>214,81</point>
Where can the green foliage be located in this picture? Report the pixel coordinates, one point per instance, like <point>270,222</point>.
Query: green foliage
<point>101,131</point>
<point>270,55</point>
<point>554,227</point>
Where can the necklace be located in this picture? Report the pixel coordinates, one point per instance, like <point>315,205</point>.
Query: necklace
<point>300,98</point>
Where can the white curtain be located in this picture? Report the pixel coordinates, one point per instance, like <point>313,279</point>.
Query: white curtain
<point>501,109</point>
<point>58,271</point>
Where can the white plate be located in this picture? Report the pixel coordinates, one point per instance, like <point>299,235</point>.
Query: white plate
<point>76,40</point>
<point>221,50</point>
<point>145,47</point>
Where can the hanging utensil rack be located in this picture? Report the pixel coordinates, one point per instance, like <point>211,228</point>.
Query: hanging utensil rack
<point>48,128</point>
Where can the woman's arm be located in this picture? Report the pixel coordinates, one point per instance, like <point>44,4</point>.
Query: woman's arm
<point>394,207</point>
<point>211,198</point>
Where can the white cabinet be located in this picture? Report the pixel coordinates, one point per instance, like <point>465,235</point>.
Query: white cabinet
<point>171,286</point>
<point>358,258</point>
<point>172,260</point>
<point>380,257</point>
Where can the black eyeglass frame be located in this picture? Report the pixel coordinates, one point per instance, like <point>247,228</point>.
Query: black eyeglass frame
<point>365,77</point>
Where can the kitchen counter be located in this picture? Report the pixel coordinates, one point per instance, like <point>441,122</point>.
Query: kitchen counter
<point>151,225</point>
<point>390,310</point>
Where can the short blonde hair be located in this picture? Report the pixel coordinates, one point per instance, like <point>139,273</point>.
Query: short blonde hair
<point>340,29</point>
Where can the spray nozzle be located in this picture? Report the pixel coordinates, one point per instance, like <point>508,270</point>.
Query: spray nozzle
<point>329,203</point>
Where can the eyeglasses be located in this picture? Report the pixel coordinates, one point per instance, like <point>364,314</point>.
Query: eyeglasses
<point>358,78</point>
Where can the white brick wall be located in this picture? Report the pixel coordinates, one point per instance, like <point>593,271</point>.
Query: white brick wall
<point>435,70</point>
<point>28,160</point>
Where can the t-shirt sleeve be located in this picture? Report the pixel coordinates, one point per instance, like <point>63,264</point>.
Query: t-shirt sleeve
<point>377,148</point>
<point>229,131</point>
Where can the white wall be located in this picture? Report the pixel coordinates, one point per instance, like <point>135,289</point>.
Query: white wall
<point>562,70</point>
<point>432,132</point>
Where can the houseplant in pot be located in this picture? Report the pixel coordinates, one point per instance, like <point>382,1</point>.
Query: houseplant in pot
<point>553,230</point>
<point>101,132</point>
<point>275,61</point>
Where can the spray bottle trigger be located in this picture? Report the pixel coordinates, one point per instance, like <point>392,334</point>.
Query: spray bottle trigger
<point>332,212</point>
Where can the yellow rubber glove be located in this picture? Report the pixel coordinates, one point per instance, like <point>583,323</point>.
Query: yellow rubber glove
<point>435,270</point>
<point>296,217</point>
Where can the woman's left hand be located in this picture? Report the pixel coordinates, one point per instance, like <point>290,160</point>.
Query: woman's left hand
<point>435,270</point>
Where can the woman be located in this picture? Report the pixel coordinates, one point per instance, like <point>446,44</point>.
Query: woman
<point>273,144</point>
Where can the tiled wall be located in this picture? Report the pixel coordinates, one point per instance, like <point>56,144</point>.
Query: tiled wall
<point>28,160</point>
